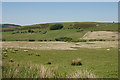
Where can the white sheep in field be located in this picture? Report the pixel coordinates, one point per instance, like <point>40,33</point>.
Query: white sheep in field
<point>107,49</point>
<point>16,50</point>
<point>25,50</point>
<point>11,60</point>
<point>4,52</point>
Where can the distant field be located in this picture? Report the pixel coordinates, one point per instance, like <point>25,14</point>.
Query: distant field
<point>50,35</point>
<point>74,30</point>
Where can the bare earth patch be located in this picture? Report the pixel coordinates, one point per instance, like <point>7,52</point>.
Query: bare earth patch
<point>101,35</point>
<point>59,45</point>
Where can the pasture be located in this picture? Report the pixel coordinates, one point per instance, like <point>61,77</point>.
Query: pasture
<point>101,62</point>
<point>77,50</point>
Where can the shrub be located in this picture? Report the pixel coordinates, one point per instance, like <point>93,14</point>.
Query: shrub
<point>45,40</point>
<point>101,39</point>
<point>3,40</point>
<point>31,40</point>
<point>96,39</point>
<point>50,40</point>
<point>13,33</point>
<point>40,40</point>
<point>56,27</point>
<point>30,31</point>
<point>63,39</point>
<point>82,40</point>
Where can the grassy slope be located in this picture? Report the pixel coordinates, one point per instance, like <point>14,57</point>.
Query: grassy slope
<point>102,62</point>
<point>52,34</point>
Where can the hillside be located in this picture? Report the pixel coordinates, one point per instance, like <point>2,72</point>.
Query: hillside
<point>42,32</point>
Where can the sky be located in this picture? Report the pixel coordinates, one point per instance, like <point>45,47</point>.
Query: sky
<point>27,13</point>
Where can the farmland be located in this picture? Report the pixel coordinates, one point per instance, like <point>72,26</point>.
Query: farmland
<point>51,53</point>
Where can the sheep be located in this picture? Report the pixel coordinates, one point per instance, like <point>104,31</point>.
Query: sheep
<point>49,62</point>
<point>5,55</point>
<point>79,62</point>
<point>13,51</point>
<point>4,52</point>
<point>76,62</point>
<point>30,54</point>
<point>16,50</point>
<point>73,62</point>
<point>11,60</point>
<point>25,50</point>
<point>37,54</point>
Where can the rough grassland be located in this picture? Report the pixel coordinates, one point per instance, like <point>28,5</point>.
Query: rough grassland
<point>101,62</point>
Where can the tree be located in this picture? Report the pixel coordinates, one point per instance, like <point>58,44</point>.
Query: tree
<point>56,27</point>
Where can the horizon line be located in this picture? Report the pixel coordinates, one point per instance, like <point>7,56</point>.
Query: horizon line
<point>61,22</point>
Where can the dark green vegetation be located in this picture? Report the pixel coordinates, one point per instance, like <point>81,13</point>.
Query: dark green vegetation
<point>43,32</point>
<point>10,25</point>
<point>102,63</point>
<point>56,27</point>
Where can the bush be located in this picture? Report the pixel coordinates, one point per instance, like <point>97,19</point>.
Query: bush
<point>63,39</point>
<point>56,27</point>
<point>45,40</point>
<point>40,40</point>
<point>92,39</point>
<point>30,31</point>
<point>101,39</point>
<point>96,39</point>
<point>3,40</point>
<point>50,40</point>
<point>13,33</point>
<point>31,40</point>
<point>82,40</point>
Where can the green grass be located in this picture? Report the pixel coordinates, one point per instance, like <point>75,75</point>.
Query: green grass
<point>103,63</point>
<point>52,34</point>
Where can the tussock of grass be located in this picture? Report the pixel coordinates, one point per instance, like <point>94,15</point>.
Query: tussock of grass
<point>82,74</point>
<point>20,70</point>
<point>29,70</point>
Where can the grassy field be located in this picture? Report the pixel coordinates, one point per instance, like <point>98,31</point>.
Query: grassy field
<point>38,54</point>
<point>103,63</point>
<point>74,30</point>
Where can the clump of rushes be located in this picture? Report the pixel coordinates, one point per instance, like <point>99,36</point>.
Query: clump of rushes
<point>76,62</point>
